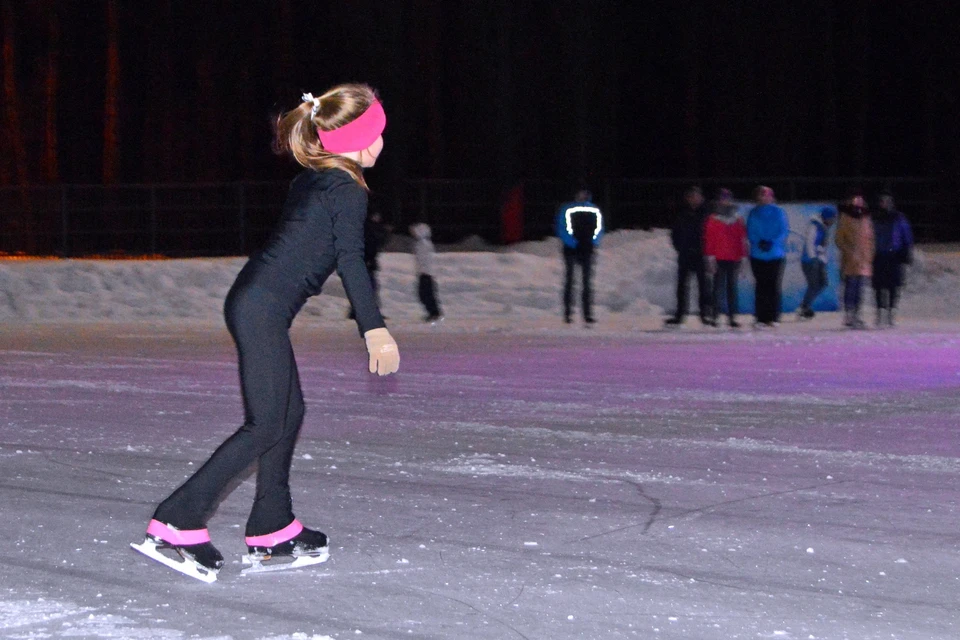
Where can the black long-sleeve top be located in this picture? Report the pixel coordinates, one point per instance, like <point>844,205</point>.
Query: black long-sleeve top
<point>687,232</point>
<point>321,230</point>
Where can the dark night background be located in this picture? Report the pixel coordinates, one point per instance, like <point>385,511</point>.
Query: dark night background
<point>113,91</point>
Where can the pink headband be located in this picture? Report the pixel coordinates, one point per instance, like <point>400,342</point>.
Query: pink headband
<point>358,134</point>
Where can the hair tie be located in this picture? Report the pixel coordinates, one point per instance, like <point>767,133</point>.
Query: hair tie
<point>308,97</point>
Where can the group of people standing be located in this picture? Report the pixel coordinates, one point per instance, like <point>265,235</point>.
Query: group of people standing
<point>713,240</point>
<point>873,245</point>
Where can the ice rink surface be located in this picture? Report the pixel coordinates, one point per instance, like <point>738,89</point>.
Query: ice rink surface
<point>530,482</point>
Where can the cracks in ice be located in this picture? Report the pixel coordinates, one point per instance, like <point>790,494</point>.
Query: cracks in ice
<point>771,494</point>
<point>650,520</point>
<point>517,597</point>
<point>657,506</point>
<point>473,608</point>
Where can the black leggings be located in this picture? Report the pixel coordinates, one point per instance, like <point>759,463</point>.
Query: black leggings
<point>273,410</point>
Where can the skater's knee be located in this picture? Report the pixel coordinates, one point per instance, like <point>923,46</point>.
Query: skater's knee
<point>264,434</point>
<point>295,414</point>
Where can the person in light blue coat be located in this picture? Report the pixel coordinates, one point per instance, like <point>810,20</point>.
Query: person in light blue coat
<point>767,232</point>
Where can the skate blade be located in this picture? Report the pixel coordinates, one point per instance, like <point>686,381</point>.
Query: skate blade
<point>186,567</point>
<point>258,565</point>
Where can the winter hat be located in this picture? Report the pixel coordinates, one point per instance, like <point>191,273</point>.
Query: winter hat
<point>854,192</point>
<point>724,194</point>
<point>420,231</point>
<point>828,213</point>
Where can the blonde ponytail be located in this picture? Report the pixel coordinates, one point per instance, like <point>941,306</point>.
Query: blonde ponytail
<point>297,128</point>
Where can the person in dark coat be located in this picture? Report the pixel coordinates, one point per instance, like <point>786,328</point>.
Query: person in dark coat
<point>894,249</point>
<point>687,238</point>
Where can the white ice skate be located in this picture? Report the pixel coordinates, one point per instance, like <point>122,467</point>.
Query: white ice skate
<point>188,552</point>
<point>259,563</point>
<point>185,565</point>
<point>293,547</point>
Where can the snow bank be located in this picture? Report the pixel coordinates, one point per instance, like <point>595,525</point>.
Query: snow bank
<point>634,277</point>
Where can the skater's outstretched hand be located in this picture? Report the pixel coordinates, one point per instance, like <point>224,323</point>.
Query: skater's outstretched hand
<point>384,356</point>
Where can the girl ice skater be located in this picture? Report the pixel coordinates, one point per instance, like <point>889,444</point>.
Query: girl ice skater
<point>333,137</point>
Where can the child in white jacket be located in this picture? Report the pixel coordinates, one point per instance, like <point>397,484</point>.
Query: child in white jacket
<point>427,287</point>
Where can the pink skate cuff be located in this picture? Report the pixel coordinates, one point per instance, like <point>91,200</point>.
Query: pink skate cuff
<point>177,537</point>
<point>289,532</point>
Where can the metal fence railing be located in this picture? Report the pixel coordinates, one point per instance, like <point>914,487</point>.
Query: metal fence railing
<point>235,218</point>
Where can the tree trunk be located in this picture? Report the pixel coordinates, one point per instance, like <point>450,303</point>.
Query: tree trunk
<point>111,106</point>
<point>283,68</point>
<point>51,85</point>
<point>394,16</point>
<point>831,132</point>
<point>11,97</point>
<point>17,228</point>
<point>861,43</point>
<point>427,51</point>
<point>691,103</point>
<point>504,91</point>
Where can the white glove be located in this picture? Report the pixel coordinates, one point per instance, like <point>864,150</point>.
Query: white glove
<point>384,355</point>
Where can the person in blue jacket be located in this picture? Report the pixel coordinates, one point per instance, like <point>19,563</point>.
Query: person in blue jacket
<point>894,248</point>
<point>767,232</point>
<point>579,226</point>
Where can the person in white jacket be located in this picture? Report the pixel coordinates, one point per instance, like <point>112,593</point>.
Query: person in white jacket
<point>814,259</point>
<point>426,286</point>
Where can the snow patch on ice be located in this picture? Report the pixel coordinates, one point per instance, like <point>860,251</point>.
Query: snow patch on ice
<point>913,462</point>
<point>43,618</point>
<point>297,636</point>
<point>486,465</point>
<point>22,613</point>
<point>738,396</point>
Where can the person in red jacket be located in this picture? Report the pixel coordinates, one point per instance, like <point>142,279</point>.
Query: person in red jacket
<point>725,247</point>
